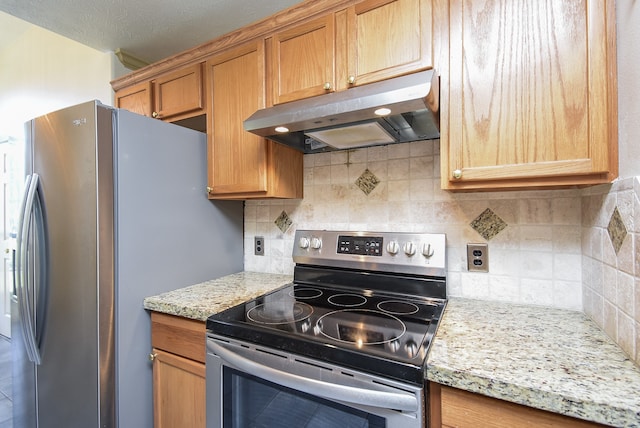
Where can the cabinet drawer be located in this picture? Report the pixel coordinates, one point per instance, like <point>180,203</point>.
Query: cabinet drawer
<point>179,336</point>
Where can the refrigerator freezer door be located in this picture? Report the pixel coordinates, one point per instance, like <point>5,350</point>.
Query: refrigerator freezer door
<point>126,217</point>
<point>64,156</point>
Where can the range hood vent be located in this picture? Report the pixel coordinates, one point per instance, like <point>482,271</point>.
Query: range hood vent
<point>347,119</point>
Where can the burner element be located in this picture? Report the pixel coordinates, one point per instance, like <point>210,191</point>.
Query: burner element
<point>347,300</point>
<point>305,293</point>
<point>277,313</point>
<point>361,327</point>
<point>398,307</point>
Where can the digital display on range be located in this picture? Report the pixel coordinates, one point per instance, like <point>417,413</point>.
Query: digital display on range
<point>360,245</point>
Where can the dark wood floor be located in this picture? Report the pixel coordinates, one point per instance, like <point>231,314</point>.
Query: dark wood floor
<point>6,408</point>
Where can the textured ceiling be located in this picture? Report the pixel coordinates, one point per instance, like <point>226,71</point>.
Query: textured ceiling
<point>149,29</point>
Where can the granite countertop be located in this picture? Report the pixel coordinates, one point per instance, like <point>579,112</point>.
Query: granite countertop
<point>202,300</point>
<point>550,359</point>
<point>545,358</point>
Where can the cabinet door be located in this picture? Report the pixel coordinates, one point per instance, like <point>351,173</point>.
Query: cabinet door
<point>179,93</point>
<point>179,390</point>
<point>386,38</point>
<point>450,407</point>
<point>135,98</point>
<point>243,165</point>
<point>302,61</point>
<point>531,94</point>
<point>237,159</point>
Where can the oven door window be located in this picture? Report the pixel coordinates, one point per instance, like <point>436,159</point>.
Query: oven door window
<point>250,402</point>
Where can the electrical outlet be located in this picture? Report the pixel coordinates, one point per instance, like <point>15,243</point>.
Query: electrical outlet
<point>258,245</point>
<point>478,257</point>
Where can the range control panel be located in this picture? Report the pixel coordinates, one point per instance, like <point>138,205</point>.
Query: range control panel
<point>402,252</point>
<point>362,245</point>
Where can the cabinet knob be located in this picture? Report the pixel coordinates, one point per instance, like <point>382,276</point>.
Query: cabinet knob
<point>327,86</point>
<point>457,174</point>
<point>155,114</point>
<point>209,189</point>
<point>152,356</point>
<point>351,80</point>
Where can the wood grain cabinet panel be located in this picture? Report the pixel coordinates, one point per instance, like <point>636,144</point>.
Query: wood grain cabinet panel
<point>370,41</point>
<point>451,407</point>
<point>179,94</point>
<point>243,165</point>
<point>179,391</point>
<point>387,38</point>
<point>529,99</point>
<point>171,96</point>
<point>302,61</point>
<point>136,98</point>
<point>179,387</point>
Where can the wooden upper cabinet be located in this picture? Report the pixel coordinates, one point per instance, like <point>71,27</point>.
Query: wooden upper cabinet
<point>368,42</point>
<point>172,96</point>
<point>530,96</point>
<point>179,94</point>
<point>384,39</point>
<point>302,60</point>
<point>243,165</point>
<point>136,98</point>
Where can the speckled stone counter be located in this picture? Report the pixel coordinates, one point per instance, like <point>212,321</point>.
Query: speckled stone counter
<point>201,300</point>
<point>544,358</point>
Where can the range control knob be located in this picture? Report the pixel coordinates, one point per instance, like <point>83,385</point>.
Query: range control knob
<point>409,248</point>
<point>393,247</point>
<point>304,242</point>
<point>316,243</point>
<point>427,250</point>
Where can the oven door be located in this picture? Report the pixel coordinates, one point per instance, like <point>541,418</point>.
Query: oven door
<point>255,386</point>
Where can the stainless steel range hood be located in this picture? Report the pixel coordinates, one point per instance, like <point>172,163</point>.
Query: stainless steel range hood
<point>347,119</point>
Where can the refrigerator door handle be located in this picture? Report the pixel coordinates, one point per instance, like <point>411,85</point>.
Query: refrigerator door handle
<point>24,288</point>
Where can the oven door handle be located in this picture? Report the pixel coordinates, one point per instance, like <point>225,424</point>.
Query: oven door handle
<point>331,391</point>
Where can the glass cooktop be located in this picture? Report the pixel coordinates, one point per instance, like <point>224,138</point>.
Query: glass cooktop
<point>382,333</point>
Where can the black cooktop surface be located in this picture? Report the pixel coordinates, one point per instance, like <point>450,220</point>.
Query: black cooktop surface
<point>381,333</point>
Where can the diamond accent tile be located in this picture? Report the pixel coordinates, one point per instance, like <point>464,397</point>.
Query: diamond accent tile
<point>488,224</point>
<point>283,222</point>
<point>367,181</point>
<point>617,230</point>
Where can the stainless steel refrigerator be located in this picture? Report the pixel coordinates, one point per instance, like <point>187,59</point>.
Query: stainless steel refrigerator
<point>115,210</point>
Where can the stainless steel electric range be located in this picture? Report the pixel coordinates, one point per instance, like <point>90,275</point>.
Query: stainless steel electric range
<point>344,345</point>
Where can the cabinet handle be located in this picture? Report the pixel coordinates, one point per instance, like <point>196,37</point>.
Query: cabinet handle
<point>155,114</point>
<point>457,174</point>
<point>351,80</point>
<point>152,356</point>
<point>327,86</point>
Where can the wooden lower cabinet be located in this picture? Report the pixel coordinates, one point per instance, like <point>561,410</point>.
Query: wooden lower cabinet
<point>179,387</point>
<point>451,407</point>
<point>179,391</point>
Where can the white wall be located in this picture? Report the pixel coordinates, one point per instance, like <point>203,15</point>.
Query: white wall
<point>41,71</point>
<point>628,17</point>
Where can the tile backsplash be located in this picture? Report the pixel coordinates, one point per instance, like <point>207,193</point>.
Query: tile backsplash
<point>533,236</point>
<point>611,261</point>
<point>543,244</point>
